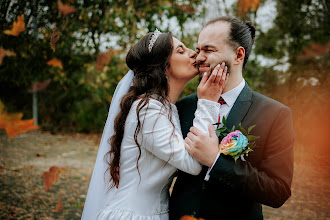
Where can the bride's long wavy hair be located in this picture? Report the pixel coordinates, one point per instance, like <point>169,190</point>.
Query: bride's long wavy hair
<point>150,78</point>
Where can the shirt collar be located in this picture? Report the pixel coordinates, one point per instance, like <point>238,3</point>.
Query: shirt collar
<point>231,96</point>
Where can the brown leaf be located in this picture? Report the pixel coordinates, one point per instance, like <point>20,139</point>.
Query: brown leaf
<point>13,124</point>
<point>313,51</point>
<point>4,53</point>
<point>55,62</point>
<point>188,8</point>
<point>105,58</point>
<point>47,180</point>
<point>65,9</point>
<point>54,38</point>
<point>188,217</point>
<point>59,207</point>
<point>17,28</point>
<point>39,86</point>
<point>51,176</point>
<point>17,127</point>
<point>244,6</point>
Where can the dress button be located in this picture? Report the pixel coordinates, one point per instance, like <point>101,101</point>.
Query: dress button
<point>204,186</point>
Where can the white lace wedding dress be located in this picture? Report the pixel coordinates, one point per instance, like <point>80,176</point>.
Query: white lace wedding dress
<point>143,193</point>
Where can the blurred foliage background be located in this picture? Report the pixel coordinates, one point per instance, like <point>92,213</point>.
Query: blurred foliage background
<point>290,60</point>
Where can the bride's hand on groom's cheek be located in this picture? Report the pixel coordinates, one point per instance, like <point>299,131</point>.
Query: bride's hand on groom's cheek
<point>202,147</point>
<point>211,88</point>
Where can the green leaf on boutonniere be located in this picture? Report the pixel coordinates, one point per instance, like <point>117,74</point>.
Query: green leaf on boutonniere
<point>246,151</point>
<point>222,129</point>
<point>250,128</point>
<point>233,128</point>
<point>239,127</point>
<point>224,121</point>
<point>252,138</point>
<point>236,157</point>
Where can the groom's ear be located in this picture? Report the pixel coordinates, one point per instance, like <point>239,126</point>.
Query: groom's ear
<point>240,54</point>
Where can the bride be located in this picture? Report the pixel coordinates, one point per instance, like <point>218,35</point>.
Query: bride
<point>142,145</point>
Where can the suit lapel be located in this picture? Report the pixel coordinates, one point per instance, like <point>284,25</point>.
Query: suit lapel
<point>240,108</point>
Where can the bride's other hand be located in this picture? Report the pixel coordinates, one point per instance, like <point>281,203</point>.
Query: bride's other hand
<point>211,88</point>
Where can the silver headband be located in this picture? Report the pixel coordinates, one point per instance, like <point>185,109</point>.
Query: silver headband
<point>153,39</point>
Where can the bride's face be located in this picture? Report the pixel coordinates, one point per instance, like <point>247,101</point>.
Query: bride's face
<point>182,62</point>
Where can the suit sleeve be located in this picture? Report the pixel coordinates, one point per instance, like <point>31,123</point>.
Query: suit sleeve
<point>270,183</point>
<point>165,141</point>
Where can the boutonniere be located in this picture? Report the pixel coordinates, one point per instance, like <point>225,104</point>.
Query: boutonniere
<point>236,142</point>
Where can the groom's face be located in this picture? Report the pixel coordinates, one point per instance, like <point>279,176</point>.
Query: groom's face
<point>213,48</point>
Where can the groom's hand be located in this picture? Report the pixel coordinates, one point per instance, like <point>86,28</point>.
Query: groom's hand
<point>202,147</point>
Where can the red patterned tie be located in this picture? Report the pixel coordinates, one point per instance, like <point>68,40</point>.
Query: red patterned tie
<point>221,101</point>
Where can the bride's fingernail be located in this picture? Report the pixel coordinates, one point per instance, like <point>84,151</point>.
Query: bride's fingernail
<point>218,65</point>
<point>205,73</point>
<point>223,63</point>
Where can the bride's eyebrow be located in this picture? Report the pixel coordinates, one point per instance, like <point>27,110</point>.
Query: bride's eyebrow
<point>179,46</point>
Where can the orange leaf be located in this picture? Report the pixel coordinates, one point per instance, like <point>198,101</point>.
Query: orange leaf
<point>39,86</point>
<point>54,38</point>
<point>105,58</point>
<point>65,9</point>
<point>244,6</point>
<point>4,53</point>
<point>51,176</point>
<point>314,50</point>
<point>187,217</point>
<point>18,27</point>
<point>59,207</point>
<point>187,8</point>
<point>55,62</point>
<point>55,172</point>
<point>17,127</point>
<point>13,124</point>
<point>47,180</point>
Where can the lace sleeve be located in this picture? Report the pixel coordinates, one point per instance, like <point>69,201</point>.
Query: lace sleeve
<point>207,112</point>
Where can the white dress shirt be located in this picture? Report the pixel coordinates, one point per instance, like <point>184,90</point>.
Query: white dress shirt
<point>230,98</point>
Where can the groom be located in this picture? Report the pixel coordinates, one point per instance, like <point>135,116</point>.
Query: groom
<point>226,189</point>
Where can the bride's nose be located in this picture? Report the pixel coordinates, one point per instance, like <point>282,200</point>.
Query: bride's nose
<point>192,54</point>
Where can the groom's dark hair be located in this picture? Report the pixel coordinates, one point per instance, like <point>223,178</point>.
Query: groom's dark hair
<point>240,34</point>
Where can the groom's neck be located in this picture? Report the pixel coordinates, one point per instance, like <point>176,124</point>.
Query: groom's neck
<point>235,78</point>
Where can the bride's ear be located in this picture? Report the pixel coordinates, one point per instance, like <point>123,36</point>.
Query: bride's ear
<point>168,70</point>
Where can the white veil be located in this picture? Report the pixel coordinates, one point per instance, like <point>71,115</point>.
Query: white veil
<point>98,194</point>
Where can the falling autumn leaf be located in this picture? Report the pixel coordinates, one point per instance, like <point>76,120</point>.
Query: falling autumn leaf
<point>187,8</point>
<point>187,217</point>
<point>55,62</point>
<point>65,9</point>
<point>54,38</point>
<point>51,176</point>
<point>37,86</point>
<point>17,28</point>
<point>244,6</point>
<point>13,124</point>
<point>105,58</point>
<point>59,207</point>
<point>4,53</point>
<point>314,51</point>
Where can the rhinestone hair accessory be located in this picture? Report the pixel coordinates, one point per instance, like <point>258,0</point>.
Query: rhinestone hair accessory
<point>153,39</point>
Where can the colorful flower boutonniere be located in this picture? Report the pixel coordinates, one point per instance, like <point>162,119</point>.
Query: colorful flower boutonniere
<point>236,142</point>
